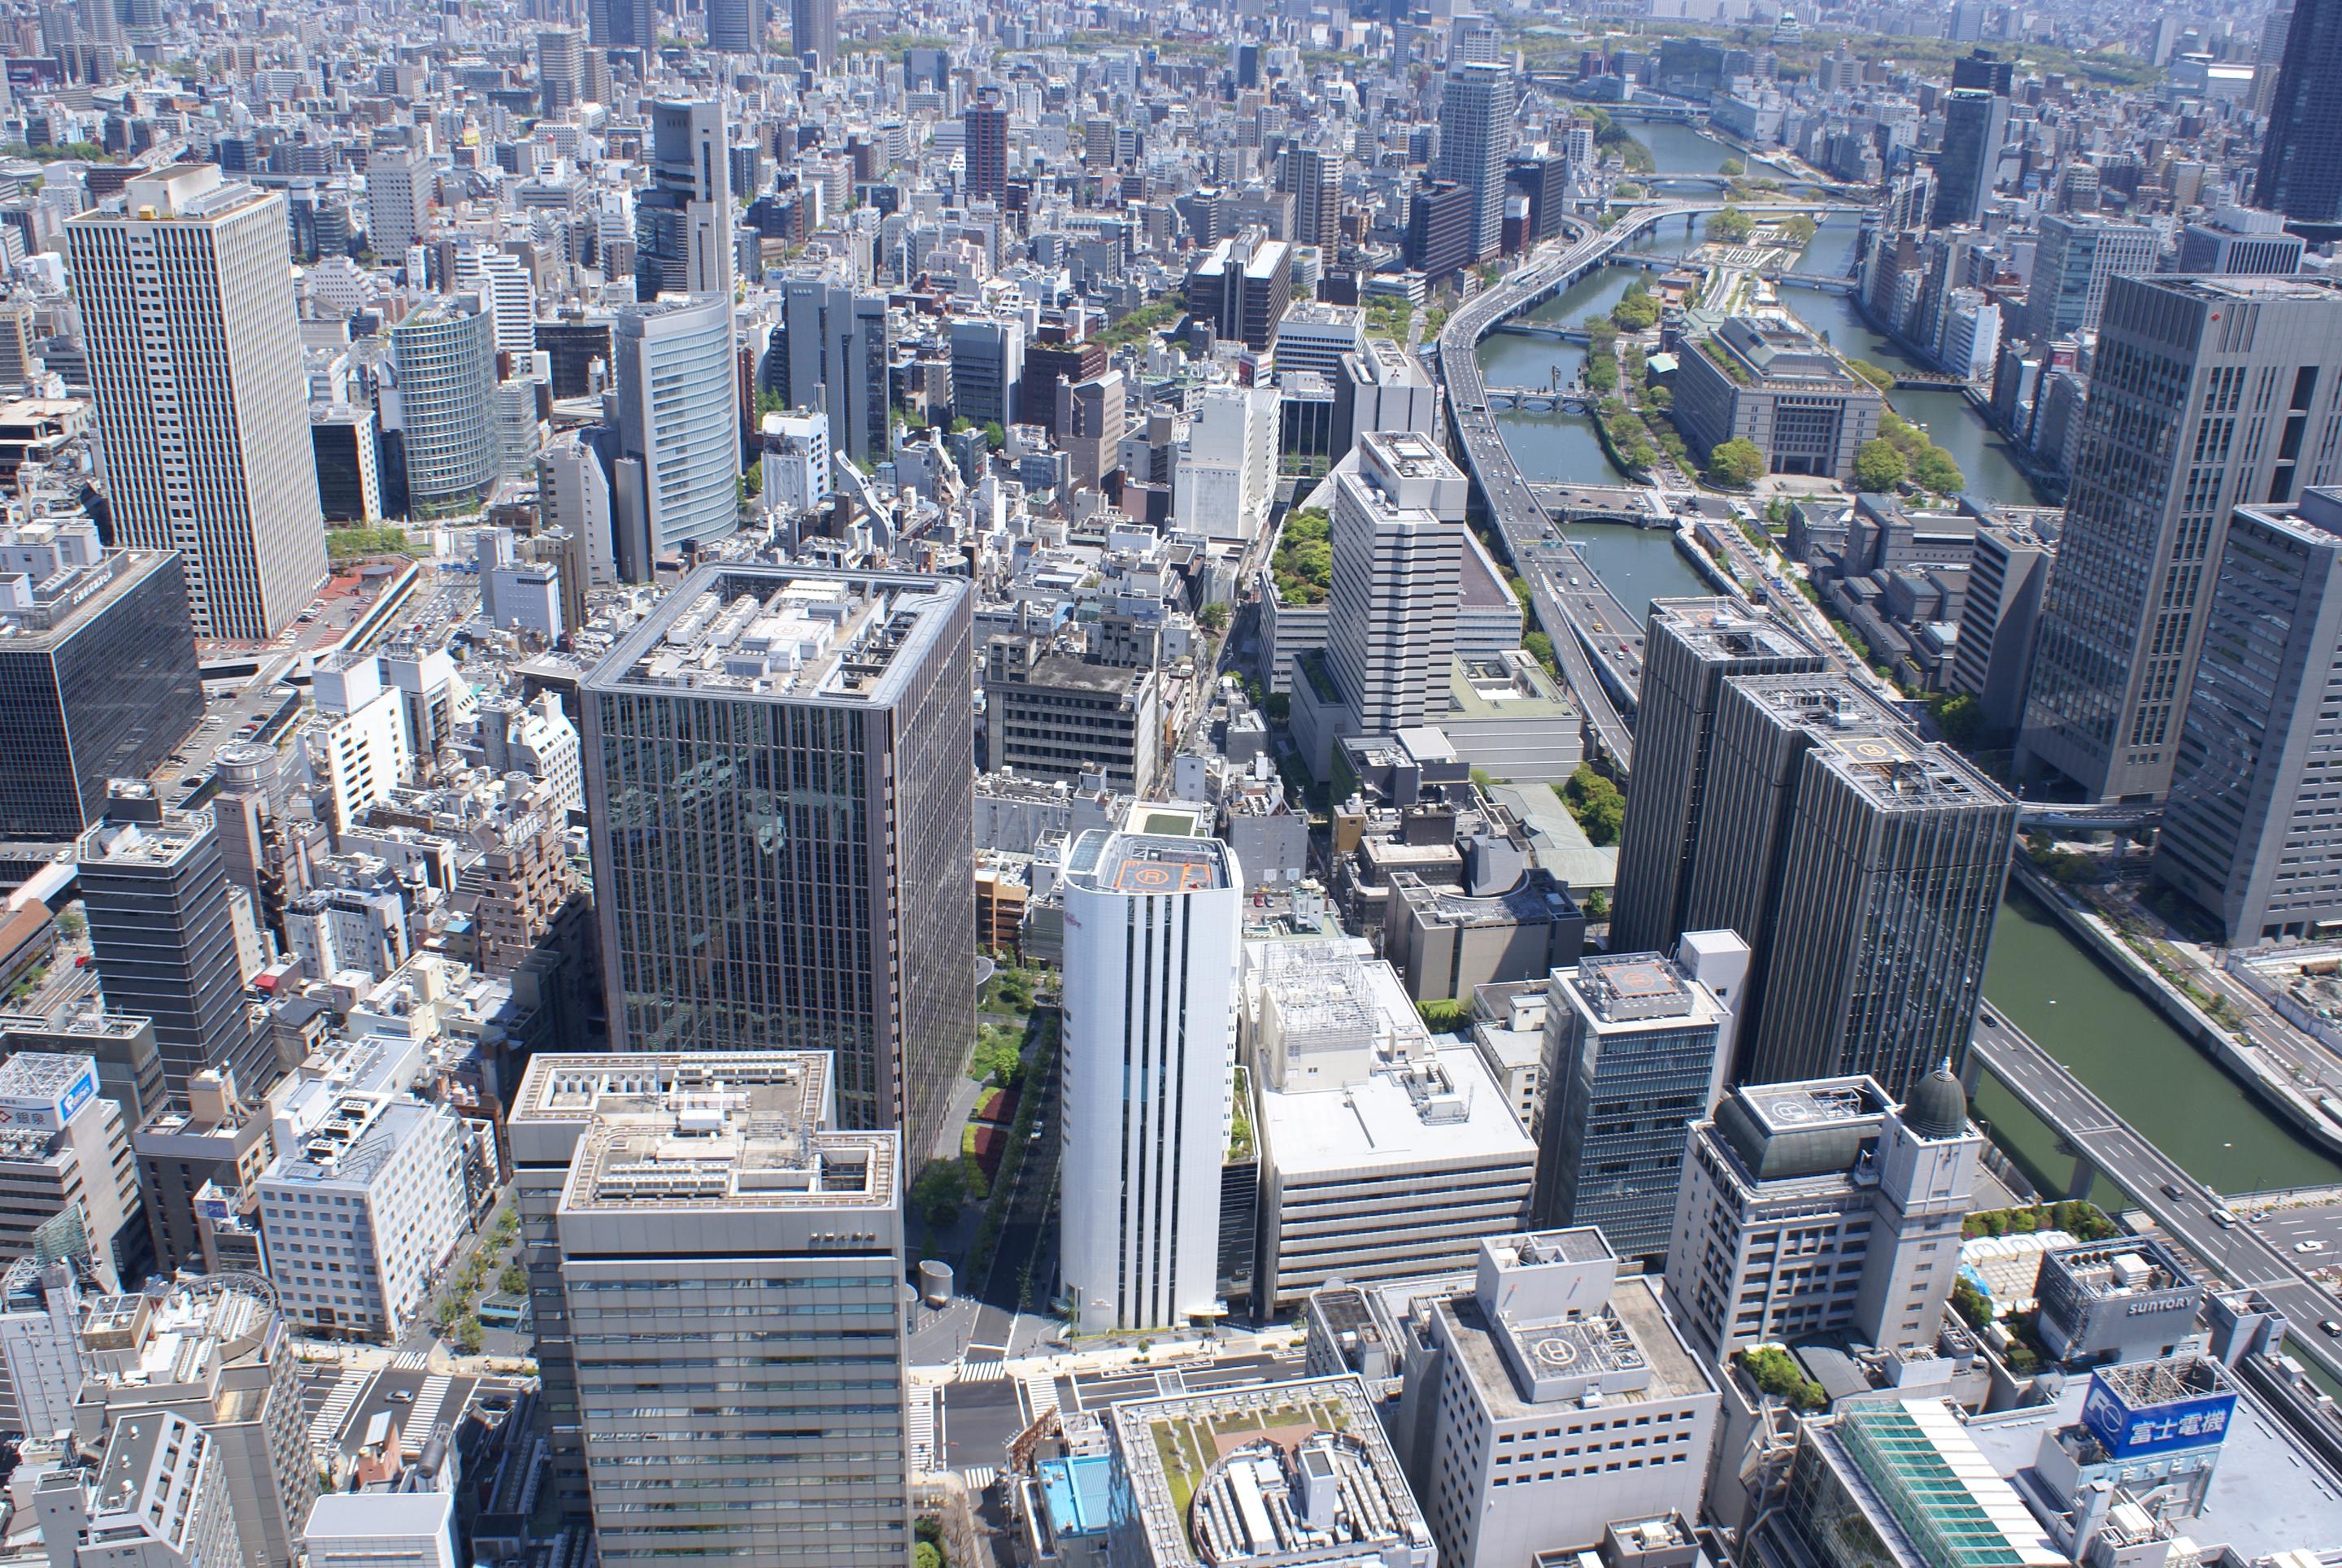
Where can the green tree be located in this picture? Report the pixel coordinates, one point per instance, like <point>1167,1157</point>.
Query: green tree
<point>939,1192</point>
<point>1883,379</point>
<point>1214,617</point>
<point>1596,802</point>
<point>1638,310</point>
<point>1735,464</point>
<point>1974,1307</point>
<point>1959,718</point>
<point>1730,227</point>
<point>1601,373</point>
<point>1934,468</point>
<point>1799,230</point>
<point>1732,168</point>
<point>70,924</point>
<point>926,1555</point>
<point>514,1280</point>
<point>1539,647</point>
<point>1878,466</point>
<point>1601,335</point>
<point>1597,904</point>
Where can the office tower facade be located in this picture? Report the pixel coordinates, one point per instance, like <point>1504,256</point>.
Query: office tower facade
<point>677,1211</point>
<point>1690,647</point>
<point>1545,1335</point>
<point>1242,286</point>
<point>1224,476</point>
<point>508,289</point>
<point>1398,570</point>
<point>155,1495</point>
<point>1999,615</point>
<point>2077,259</point>
<point>984,145</point>
<point>154,891</point>
<point>782,827</point>
<point>987,366</point>
<point>1639,1050</point>
<point>1153,925</point>
<point>392,1171</point>
<point>443,373</point>
<point>398,196</point>
<point>1313,178</point>
<point>621,23</point>
<point>684,219</point>
<point>2207,394</point>
<point>560,71</point>
<point>812,30</point>
<point>1865,864</point>
<point>2245,832</point>
<point>574,494</point>
<point>1477,102</point>
<point>2301,155</point>
<point>1981,68</point>
<point>1976,124</point>
<point>736,27</point>
<point>1823,1207</point>
<point>834,350</point>
<point>2240,240</point>
<point>1090,424</point>
<point>678,420</point>
<point>1046,366</point>
<point>97,675</point>
<point>187,312</point>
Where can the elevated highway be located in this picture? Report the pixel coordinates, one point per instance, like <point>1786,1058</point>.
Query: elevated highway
<point>1509,500</point>
<point>2103,1143</point>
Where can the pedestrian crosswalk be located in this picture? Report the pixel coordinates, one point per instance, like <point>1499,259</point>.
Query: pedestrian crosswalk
<point>980,1476</point>
<point>1040,1393</point>
<point>423,1416</point>
<point>328,1422</point>
<point>988,1369</point>
<point>921,1406</point>
<point>411,1361</point>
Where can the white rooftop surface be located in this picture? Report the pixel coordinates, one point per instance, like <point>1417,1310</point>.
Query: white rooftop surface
<point>345,1514</point>
<point>1986,1485</point>
<point>2268,1496</point>
<point>1374,1124</point>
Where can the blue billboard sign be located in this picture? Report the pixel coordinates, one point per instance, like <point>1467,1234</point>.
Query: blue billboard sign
<point>2197,1422</point>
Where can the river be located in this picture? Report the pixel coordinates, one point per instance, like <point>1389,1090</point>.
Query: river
<point>2047,983</point>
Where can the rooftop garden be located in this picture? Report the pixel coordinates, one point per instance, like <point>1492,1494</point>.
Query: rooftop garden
<point>1187,1447</point>
<point>1303,567</point>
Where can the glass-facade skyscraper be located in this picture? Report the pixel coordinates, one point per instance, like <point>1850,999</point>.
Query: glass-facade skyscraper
<point>99,686</point>
<point>780,776</point>
<point>2301,161</point>
<point>2207,394</point>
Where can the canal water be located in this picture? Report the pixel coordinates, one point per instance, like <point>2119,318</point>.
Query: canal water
<point>2068,999</point>
<point>2050,985</point>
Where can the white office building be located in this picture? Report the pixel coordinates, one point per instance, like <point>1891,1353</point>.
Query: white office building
<point>1546,1401</point>
<point>1380,1158</point>
<point>1398,565</point>
<point>203,409</point>
<point>398,199</point>
<point>1152,929</point>
<point>359,746</point>
<point>796,464</point>
<point>40,1348</point>
<point>361,1212</point>
<point>511,292</point>
<point>382,1530</point>
<point>1225,476</point>
<point>1822,1207</point>
<point>155,1499</point>
<point>1314,336</point>
<point>64,1159</point>
<point>678,421</point>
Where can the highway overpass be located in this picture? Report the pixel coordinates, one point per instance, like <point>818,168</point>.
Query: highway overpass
<point>2105,1144</point>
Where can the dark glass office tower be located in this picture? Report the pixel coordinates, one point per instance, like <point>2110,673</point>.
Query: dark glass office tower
<point>780,773</point>
<point>154,890</point>
<point>2301,162</point>
<point>1691,645</point>
<point>1976,123</point>
<point>98,681</point>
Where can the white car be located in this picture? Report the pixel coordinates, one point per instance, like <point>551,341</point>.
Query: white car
<point>2310,1246</point>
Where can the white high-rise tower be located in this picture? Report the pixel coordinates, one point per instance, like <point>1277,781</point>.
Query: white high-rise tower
<point>1152,928</point>
<point>203,409</point>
